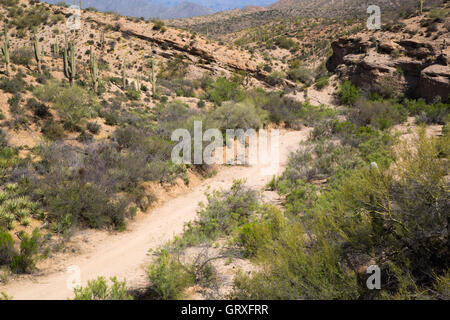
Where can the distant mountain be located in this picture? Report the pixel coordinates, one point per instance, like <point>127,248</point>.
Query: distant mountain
<point>325,7</point>
<point>146,8</point>
<point>219,5</point>
<point>227,22</point>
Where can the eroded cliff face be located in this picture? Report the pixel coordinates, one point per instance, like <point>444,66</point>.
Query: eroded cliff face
<point>404,62</point>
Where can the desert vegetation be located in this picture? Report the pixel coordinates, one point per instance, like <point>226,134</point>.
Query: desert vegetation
<point>86,123</point>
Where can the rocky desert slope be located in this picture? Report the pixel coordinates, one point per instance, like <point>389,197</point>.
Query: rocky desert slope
<point>410,58</point>
<point>86,123</point>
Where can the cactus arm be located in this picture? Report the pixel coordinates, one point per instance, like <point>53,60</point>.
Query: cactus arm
<point>94,70</point>
<point>153,78</point>
<point>69,61</point>
<point>5,49</point>
<point>124,75</point>
<point>37,53</point>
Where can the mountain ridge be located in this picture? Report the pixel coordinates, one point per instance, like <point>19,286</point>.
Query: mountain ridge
<point>145,8</point>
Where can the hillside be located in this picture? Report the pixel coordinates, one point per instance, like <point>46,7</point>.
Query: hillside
<point>89,176</point>
<point>145,8</point>
<point>238,20</point>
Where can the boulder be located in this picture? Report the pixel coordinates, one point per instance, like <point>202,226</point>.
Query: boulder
<point>421,69</point>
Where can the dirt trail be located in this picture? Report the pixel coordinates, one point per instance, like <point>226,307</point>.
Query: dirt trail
<point>124,254</point>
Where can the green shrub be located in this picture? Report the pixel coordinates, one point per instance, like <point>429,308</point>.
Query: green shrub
<point>25,261</point>
<point>243,115</point>
<point>7,251</point>
<point>99,290</point>
<point>39,110</point>
<point>223,90</point>
<point>280,108</point>
<point>75,103</point>
<point>72,103</point>
<point>133,94</point>
<point>428,113</point>
<point>276,78</point>
<point>85,137</point>
<point>366,214</point>
<point>226,210</point>
<point>23,56</point>
<point>53,130</point>
<point>256,235</point>
<point>82,203</point>
<point>168,277</point>
<point>158,24</point>
<point>13,85</point>
<point>301,74</point>
<point>348,93</point>
<point>379,114</point>
<point>286,43</point>
<point>93,127</point>
<point>322,82</point>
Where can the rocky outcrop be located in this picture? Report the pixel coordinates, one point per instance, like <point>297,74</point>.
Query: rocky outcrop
<point>414,67</point>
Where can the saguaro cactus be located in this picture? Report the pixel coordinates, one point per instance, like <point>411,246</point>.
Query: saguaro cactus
<point>69,61</point>
<point>37,53</point>
<point>124,74</point>
<point>153,78</point>
<point>94,70</point>
<point>55,49</point>
<point>138,83</point>
<point>102,40</point>
<point>75,3</point>
<point>5,49</point>
<point>421,3</point>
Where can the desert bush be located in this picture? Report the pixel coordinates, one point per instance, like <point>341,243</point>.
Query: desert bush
<point>428,113</point>
<point>175,68</point>
<point>369,214</point>
<point>100,290</point>
<point>53,130</point>
<point>223,90</point>
<point>25,261</point>
<point>75,104</point>
<point>243,115</point>
<point>14,101</point>
<point>84,204</point>
<point>39,110</point>
<point>301,74</point>
<point>322,82</point>
<point>7,251</point>
<point>13,85</point>
<point>256,235</point>
<point>32,18</point>
<point>133,94</point>
<point>93,127</point>
<point>286,43</point>
<point>79,188</point>
<point>275,78</point>
<point>348,93</point>
<point>85,137</point>
<point>280,109</point>
<point>225,211</point>
<point>72,103</point>
<point>168,277</point>
<point>23,56</point>
<point>379,114</point>
<point>158,25</point>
